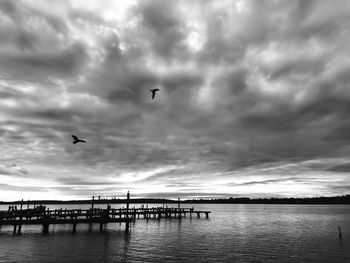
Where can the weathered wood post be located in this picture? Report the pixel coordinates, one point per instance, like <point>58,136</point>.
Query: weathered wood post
<point>178,207</point>
<point>46,225</point>
<point>20,219</point>
<point>127,226</point>
<point>127,223</point>
<point>45,228</point>
<point>92,203</point>
<point>127,204</point>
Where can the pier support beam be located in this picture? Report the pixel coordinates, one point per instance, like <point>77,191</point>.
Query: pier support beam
<point>14,229</point>
<point>46,228</point>
<point>127,203</point>
<point>74,228</point>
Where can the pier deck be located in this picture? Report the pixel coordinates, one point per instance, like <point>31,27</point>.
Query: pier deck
<point>46,217</point>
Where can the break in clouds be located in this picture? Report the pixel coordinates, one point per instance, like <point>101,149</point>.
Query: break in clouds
<point>254,98</point>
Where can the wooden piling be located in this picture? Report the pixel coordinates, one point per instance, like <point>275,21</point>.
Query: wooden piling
<point>127,204</point>
<point>127,226</point>
<point>127,201</point>
<point>46,228</point>
<point>92,203</point>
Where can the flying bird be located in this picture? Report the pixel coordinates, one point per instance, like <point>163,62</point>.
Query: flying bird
<point>76,139</point>
<point>154,92</point>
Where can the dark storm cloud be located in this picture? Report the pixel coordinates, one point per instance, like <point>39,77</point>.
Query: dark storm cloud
<point>182,87</point>
<point>162,25</point>
<point>53,63</point>
<point>340,133</point>
<point>32,44</point>
<point>344,168</point>
<point>297,65</point>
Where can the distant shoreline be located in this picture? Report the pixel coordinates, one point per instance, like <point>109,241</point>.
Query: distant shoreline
<point>345,199</point>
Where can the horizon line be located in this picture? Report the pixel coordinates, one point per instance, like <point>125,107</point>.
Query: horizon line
<point>175,199</point>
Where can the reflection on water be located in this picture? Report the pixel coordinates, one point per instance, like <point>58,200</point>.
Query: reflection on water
<point>233,233</point>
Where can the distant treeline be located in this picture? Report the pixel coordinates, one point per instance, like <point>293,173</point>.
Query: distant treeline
<point>345,199</point>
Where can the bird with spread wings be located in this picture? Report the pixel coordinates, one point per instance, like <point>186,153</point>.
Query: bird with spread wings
<point>76,140</point>
<point>154,92</point>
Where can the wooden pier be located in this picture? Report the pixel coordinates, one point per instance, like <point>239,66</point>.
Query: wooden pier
<point>161,212</point>
<point>46,217</point>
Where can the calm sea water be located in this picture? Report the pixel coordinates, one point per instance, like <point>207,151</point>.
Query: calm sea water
<point>233,233</point>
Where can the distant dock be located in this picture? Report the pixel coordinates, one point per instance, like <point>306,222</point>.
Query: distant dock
<point>41,215</point>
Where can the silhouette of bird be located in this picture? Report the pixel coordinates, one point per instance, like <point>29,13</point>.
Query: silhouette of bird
<point>76,139</point>
<point>154,92</point>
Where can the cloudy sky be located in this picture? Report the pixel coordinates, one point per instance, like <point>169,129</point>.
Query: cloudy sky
<point>254,98</point>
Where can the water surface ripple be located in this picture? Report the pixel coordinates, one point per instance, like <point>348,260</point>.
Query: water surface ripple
<point>233,233</point>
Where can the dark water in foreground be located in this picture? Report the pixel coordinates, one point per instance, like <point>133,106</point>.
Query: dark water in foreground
<point>233,233</point>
